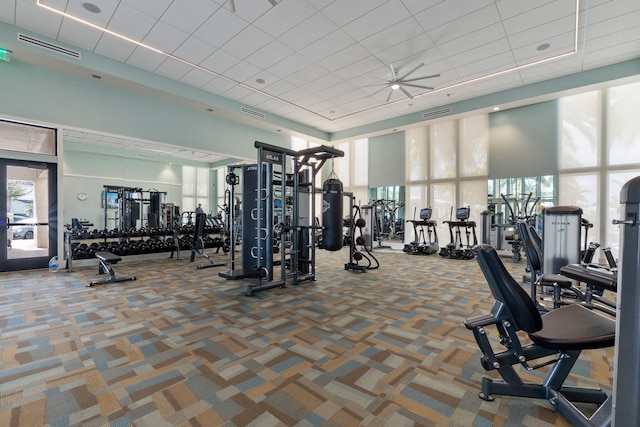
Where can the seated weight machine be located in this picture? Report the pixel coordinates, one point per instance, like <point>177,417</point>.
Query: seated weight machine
<point>421,246</point>
<point>457,249</point>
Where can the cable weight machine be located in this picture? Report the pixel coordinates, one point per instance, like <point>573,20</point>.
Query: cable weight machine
<point>278,210</point>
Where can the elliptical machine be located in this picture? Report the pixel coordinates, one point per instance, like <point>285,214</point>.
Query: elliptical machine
<point>457,249</point>
<point>421,246</point>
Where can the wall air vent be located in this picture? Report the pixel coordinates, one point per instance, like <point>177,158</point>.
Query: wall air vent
<point>252,113</point>
<point>48,46</point>
<point>436,113</point>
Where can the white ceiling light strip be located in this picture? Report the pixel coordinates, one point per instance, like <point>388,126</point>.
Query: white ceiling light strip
<point>455,85</point>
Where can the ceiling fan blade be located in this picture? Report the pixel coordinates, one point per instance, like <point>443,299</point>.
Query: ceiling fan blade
<point>376,92</point>
<point>412,71</point>
<point>389,97</point>
<point>420,78</point>
<point>405,92</point>
<point>420,86</point>
<point>393,72</point>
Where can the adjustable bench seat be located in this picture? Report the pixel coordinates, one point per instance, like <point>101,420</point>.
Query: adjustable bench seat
<point>106,260</point>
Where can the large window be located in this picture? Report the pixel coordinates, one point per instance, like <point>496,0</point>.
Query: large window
<point>595,162</point>
<point>195,188</point>
<point>446,168</point>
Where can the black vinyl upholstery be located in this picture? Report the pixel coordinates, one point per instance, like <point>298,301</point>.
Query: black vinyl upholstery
<point>561,334</point>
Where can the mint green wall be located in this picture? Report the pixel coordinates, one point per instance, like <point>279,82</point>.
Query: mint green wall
<point>44,95</point>
<point>386,160</point>
<point>524,141</point>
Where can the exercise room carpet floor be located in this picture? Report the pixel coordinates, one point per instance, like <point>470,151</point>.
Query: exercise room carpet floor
<point>181,346</point>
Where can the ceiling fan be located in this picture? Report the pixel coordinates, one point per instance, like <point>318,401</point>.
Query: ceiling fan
<point>232,4</point>
<point>396,82</point>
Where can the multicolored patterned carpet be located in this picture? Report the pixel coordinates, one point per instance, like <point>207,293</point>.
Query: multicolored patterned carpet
<point>183,347</point>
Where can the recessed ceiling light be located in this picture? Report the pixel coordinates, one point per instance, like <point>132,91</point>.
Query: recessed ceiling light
<point>543,46</point>
<point>496,108</point>
<point>261,81</point>
<point>91,7</point>
<point>395,86</point>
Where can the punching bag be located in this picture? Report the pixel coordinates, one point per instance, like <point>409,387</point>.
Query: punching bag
<point>332,214</point>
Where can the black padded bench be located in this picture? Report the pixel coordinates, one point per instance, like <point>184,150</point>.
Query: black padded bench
<point>106,259</point>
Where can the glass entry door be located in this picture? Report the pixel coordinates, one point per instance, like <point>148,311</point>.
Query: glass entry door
<point>28,214</point>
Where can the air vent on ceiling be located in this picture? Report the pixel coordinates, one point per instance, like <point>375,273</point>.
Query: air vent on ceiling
<point>252,113</point>
<point>48,46</point>
<point>436,113</point>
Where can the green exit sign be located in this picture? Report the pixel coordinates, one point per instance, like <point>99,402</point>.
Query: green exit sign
<point>4,54</point>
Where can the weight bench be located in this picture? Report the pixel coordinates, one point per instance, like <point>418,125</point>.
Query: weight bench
<point>106,259</point>
<point>561,334</point>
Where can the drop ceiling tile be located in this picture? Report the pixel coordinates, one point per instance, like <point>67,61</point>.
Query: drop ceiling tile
<point>542,34</point>
<point>321,4</point>
<point>145,59</point>
<point>610,9</point>
<point>283,17</point>
<point>220,28</point>
<point>154,8</point>
<point>486,66</point>
<point>510,8</point>
<point>254,98</point>
<point>473,21</point>
<point>249,10</point>
<point>197,78</point>
<point>237,93</point>
<point>79,35</point>
<point>444,13</point>
<point>561,45</point>
<point>400,32</point>
<point>36,19</point>
<point>242,71</point>
<point>289,65</point>
<point>416,6</point>
<point>270,54</point>
<point>342,12</point>
<point>218,85</point>
<point>188,15</point>
<point>308,31</point>
<point>472,40</point>
<point>249,40</point>
<point>417,45</point>
<point>101,19</point>
<point>130,22</point>
<point>627,21</point>
<point>538,16</point>
<point>307,75</point>
<point>172,69</point>
<point>220,61</point>
<point>376,20</point>
<point>629,37</point>
<point>486,51</point>
<point>165,37</point>
<point>8,11</point>
<point>114,47</point>
<point>326,46</point>
<point>194,50</point>
<point>345,57</point>
<point>356,70</point>
<point>309,100</point>
<point>279,87</point>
